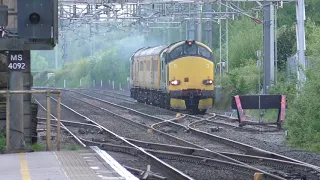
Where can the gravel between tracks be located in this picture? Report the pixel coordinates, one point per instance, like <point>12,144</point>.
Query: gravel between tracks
<point>148,109</point>
<point>123,112</point>
<point>201,141</point>
<point>112,123</point>
<point>202,172</point>
<point>133,161</point>
<point>274,142</point>
<point>67,141</point>
<point>269,141</point>
<point>65,114</point>
<point>210,144</point>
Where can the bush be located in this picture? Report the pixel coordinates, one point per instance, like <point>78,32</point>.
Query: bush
<point>303,114</point>
<point>2,142</point>
<point>242,80</point>
<point>72,73</point>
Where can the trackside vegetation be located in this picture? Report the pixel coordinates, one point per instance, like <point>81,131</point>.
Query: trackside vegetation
<point>2,142</point>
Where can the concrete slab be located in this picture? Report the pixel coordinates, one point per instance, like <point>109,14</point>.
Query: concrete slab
<point>87,164</point>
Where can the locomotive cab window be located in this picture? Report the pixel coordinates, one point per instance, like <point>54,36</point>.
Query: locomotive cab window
<point>177,52</point>
<point>205,53</point>
<point>190,50</point>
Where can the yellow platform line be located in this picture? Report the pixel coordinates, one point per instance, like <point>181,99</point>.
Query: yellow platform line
<point>24,167</point>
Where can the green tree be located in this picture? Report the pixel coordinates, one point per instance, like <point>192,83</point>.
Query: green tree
<point>245,40</point>
<point>286,43</point>
<point>38,62</point>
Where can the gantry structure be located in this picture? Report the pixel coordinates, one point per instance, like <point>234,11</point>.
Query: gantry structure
<point>193,15</point>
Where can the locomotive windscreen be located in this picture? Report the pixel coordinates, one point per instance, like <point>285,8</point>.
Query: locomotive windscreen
<point>189,50</point>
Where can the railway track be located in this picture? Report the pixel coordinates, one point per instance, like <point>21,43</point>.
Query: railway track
<point>110,93</point>
<point>99,132</point>
<point>232,123</point>
<point>268,157</point>
<point>153,155</point>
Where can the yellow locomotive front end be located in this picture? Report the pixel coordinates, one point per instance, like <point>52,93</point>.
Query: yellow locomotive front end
<point>191,76</point>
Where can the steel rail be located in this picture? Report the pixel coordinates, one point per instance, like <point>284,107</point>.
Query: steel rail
<point>242,146</point>
<point>193,151</point>
<point>213,154</point>
<point>247,148</point>
<point>136,124</point>
<point>97,92</point>
<point>232,119</point>
<point>236,158</point>
<point>81,141</point>
<point>206,121</point>
<point>270,162</point>
<point>166,168</point>
<point>209,161</point>
<point>62,125</point>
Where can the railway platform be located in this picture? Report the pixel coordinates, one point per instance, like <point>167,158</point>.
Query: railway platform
<point>86,164</point>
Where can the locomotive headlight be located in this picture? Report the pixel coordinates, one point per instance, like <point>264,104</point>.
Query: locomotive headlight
<point>175,82</point>
<point>208,82</point>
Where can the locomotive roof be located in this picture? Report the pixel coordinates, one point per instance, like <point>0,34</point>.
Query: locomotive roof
<point>149,51</point>
<point>176,44</point>
<point>156,50</point>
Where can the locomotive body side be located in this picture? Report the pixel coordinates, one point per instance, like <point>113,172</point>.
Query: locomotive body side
<point>146,86</point>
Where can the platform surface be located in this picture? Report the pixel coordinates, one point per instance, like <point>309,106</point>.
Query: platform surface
<point>87,164</point>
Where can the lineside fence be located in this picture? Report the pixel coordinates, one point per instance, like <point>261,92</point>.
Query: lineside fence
<point>48,119</point>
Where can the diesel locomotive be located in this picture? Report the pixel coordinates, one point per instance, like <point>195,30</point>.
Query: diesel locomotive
<point>178,76</point>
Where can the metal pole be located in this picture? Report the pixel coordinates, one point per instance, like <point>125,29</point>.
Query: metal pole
<point>220,46</point>
<point>301,46</point>
<point>56,56</point>
<point>8,123</point>
<point>187,31</point>
<point>268,45</point>
<point>180,32</point>
<point>48,145</point>
<point>191,27</point>
<point>209,27</point>
<point>275,47</point>
<point>199,27</point>
<point>227,39</point>
<point>58,125</point>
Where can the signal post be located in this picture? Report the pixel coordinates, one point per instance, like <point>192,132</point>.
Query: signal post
<point>26,25</point>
